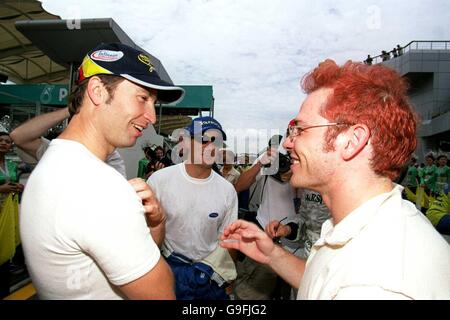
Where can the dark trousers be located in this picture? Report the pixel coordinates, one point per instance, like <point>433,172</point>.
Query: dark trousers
<point>443,225</point>
<point>4,280</point>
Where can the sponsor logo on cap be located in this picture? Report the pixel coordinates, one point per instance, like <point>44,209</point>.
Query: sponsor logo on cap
<point>106,55</point>
<point>146,60</point>
<point>208,123</point>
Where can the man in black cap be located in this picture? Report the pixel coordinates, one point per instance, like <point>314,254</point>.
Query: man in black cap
<point>199,204</point>
<point>85,232</point>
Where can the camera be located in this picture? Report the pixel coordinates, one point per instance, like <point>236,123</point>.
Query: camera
<point>282,162</point>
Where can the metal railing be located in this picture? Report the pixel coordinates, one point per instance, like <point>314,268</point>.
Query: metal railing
<point>413,45</point>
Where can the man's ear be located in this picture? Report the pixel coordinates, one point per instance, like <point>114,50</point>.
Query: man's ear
<point>355,139</point>
<point>96,90</point>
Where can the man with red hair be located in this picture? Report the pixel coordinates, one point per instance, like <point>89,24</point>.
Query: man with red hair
<point>353,134</point>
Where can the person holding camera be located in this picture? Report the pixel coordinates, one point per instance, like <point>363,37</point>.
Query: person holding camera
<point>312,213</point>
<point>271,173</point>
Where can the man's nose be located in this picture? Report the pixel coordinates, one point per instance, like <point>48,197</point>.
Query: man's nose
<point>288,143</point>
<point>150,114</point>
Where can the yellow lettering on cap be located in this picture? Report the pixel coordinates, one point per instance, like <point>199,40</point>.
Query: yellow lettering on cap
<point>146,60</point>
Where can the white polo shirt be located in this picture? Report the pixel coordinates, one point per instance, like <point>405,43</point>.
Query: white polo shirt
<point>385,249</point>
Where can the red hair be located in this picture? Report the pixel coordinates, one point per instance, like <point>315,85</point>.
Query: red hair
<point>373,95</point>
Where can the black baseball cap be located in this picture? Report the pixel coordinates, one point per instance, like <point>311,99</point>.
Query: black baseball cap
<point>132,64</point>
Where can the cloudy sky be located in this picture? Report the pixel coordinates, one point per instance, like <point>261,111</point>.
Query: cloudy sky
<point>254,52</point>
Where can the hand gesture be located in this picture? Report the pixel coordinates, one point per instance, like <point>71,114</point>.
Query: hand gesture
<point>154,213</point>
<point>277,230</point>
<point>267,157</point>
<point>159,165</point>
<point>11,187</point>
<point>249,239</point>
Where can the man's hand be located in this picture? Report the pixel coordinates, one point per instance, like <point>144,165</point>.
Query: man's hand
<point>249,239</point>
<point>159,165</point>
<point>276,229</point>
<point>267,157</point>
<point>11,187</point>
<point>154,213</point>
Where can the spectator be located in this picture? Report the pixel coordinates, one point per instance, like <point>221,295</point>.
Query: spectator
<point>312,214</point>
<point>159,152</point>
<point>411,180</point>
<point>228,171</point>
<point>10,188</point>
<point>277,201</point>
<point>199,203</point>
<point>83,228</point>
<point>153,166</point>
<point>385,55</point>
<point>442,173</point>
<point>399,50</point>
<point>439,212</point>
<point>342,148</point>
<point>149,156</point>
<point>428,175</point>
<point>369,60</point>
<point>394,53</point>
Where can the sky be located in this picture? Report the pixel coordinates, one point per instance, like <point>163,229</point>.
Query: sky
<point>255,52</point>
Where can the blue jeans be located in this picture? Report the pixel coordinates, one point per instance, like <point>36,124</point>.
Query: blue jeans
<point>443,225</point>
<point>193,280</point>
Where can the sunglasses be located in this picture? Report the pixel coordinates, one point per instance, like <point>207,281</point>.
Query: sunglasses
<point>206,140</point>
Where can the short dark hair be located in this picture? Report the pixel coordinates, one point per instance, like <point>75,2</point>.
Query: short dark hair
<point>77,95</point>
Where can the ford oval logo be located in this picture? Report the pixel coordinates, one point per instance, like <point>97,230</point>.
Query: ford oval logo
<point>213,215</point>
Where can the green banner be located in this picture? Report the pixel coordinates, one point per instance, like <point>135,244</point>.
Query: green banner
<point>197,97</point>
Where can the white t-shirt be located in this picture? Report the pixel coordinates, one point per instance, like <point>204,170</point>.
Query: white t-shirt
<point>384,249</point>
<point>233,175</point>
<point>114,159</point>
<point>277,201</point>
<point>198,210</point>
<point>82,226</point>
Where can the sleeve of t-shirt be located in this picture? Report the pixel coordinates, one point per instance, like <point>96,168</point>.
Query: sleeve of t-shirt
<point>42,148</point>
<point>115,160</point>
<point>368,293</point>
<point>117,236</point>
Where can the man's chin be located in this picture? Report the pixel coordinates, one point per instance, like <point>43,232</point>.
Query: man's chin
<point>207,165</point>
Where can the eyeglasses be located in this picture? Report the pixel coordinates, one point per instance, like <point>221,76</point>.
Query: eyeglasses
<point>206,139</point>
<point>296,130</point>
